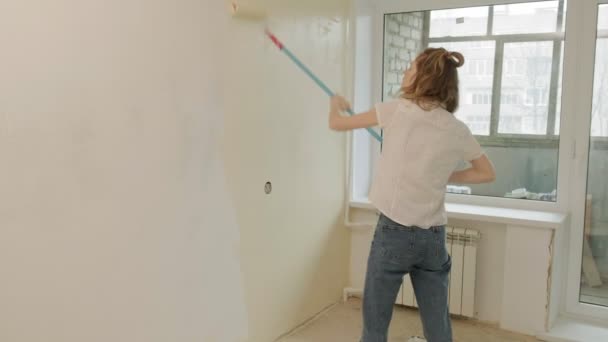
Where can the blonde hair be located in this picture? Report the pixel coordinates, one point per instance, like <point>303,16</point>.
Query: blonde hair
<point>436,80</point>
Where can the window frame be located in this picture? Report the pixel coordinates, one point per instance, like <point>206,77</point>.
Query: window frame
<point>585,16</point>
<point>380,10</point>
<point>377,11</point>
<point>495,138</point>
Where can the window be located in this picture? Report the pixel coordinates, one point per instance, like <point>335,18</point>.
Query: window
<point>558,106</point>
<point>514,66</point>
<point>512,123</point>
<point>533,17</point>
<point>602,24</point>
<point>599,114</point>
<point>459,22</point>
<point>478,123</point>
<point>482,98</point>
<point>509,98</point>
<point>536,97</point>
<point>523,41</point>
<point>510,84</point>
<point>475,82</point>
<point>479,67</point>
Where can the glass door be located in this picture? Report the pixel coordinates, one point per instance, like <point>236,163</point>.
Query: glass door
<point>594,277</point>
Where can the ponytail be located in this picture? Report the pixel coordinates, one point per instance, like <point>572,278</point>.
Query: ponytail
<point>436,79</point>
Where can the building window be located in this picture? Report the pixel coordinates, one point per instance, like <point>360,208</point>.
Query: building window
<point>510,98</point>
<point>482,98</point>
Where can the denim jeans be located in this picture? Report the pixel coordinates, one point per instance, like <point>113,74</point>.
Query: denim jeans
<point>397,250</point>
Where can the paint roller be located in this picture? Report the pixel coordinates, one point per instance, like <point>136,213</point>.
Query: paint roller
<point>245,11</point>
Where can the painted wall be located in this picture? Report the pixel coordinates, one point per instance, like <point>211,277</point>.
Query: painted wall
<point>115,222</point>
<point>294,248</point>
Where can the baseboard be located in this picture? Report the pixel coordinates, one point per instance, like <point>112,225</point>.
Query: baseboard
<point>306,323</point>
<point>349,292</point>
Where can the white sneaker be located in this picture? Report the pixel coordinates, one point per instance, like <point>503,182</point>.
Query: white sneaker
<point>416,339</point>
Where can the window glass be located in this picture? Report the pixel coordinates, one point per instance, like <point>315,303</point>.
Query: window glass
<point>460,22</point>
<point>475,83</point>
<point>595,266</point>
<point>533,17</point>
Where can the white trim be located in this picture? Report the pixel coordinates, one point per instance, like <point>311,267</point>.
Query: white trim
<point>516,217</point>
<point>378,56</point>
<point>363,92</point>
<point>527,218</point>
<point>482,201</point>
<point>573,330</point>
<point>351,54</point>
<point>506,38</point>
<point>362,205</point>
<point>395,6</point>
<point>504,202</point>
<point>350,292</point>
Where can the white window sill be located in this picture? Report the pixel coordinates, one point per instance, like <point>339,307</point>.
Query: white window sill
<point>571,330</point>
<point>528,218</point>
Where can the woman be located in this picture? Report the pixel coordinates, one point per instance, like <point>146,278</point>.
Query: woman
<point>423,145</point>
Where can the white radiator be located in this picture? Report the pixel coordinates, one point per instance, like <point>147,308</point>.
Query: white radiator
<point>462,246</point>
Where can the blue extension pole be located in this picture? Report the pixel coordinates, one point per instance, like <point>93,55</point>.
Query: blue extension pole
<point>307,71</point>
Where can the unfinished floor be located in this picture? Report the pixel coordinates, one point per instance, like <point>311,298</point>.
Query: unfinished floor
<point>342,323</point>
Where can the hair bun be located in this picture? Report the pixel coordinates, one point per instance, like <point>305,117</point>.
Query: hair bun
<point>455,58</point>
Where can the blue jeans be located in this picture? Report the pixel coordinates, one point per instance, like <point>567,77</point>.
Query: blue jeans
<point>398,250</point>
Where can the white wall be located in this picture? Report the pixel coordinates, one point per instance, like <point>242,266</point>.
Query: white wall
<point>115,222</point>
<point>294,249</point>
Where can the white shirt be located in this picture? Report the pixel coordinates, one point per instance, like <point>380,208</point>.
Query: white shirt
<point>421,149</point>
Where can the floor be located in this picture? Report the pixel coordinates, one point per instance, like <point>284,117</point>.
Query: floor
<point>343,324</point>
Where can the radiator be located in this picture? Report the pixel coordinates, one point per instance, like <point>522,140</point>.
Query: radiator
<point>462,246</point>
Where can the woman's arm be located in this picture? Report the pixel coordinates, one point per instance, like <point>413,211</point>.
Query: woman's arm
<point>338,122</point>
<point>481,171</point>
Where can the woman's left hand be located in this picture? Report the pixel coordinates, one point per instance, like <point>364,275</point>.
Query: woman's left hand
<point>339,104</point>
